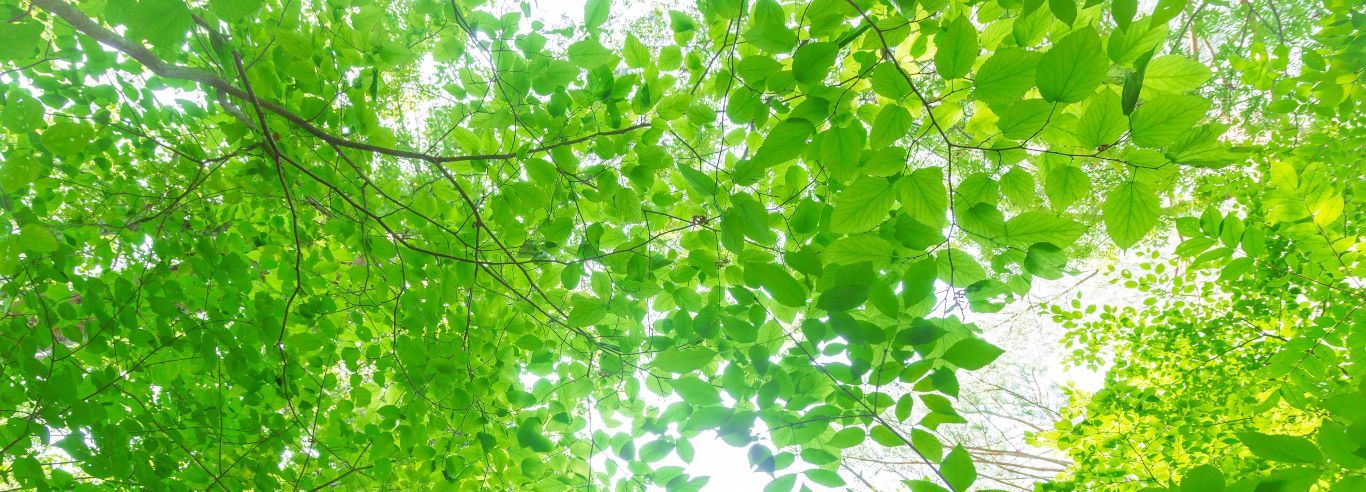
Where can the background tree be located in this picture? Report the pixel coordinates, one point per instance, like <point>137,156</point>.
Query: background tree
<point>274,244</point>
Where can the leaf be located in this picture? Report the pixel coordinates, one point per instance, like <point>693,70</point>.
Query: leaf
<point>697,180</point>
<point>785,142</point>
<point>850,250</point>
<point>1203,478</point>
<point>928,444</point>
<point>1167,10</point>
<point>1103,122</point>
<point>683,360</point>
<point>972,353</point>
<point>888,82</point>
<point>590,54</point>
<point>1025,119</point>
<point>1130,212</point>
<point>637,55</point>
<point>1282,448</point>
<point>38,239</point>
<point>892,123</point>
<point>163,23</point>
<point>956,48</point>
<point>753,218</point>
<point>843,297</point>
<point>1070,70</point>
<point>847,437</point>
<point>841,148</point>
<point>235,10</point>
<point>695,391</point>
<point>1175,74</point>
<point>1065,185</point>
<point>595,13</point>
<point>781,484</point>
<point>862,206</point>
<point>587,313</point>
<point>923,196</point>
<point>1045,260</point>
<point>1005,76</point>
<point>884,436</point>
<point>825,477</point>
<point>812,62</point>
<point>1123,12</point>
<point>1133,84</point>
<point>529,435</point>
<point>1018,186</point>
<point>778,283</point>
<point>1160,121</point>
<point>1043,227</point>
<point>1064,10</point>
<point>958,469</point>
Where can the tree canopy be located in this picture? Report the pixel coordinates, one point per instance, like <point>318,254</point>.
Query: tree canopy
<point>272,244</point>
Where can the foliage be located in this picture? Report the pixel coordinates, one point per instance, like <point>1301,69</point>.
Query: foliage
<point>1242,366</point>
<point>268,244</point>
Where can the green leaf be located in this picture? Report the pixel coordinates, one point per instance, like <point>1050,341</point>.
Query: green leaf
<point>1167,10</point>
<point>782,484</point>
<point>66,139</point>
<point>884,436</point>
<point>812,62</point>
<point>778,283</point>
<point>862,206</point>
<point>587,313</point>
<point>956,48</point>
<point>655,450</point>
<point>696,392</point>
<point>1072,68</point>
<point>958,469</point>
<point>850,250</point>
<point>1160,121</point>
<point>163,23</point>
<point>1018,186</point>
<point>235,10</point>
<point>972,353</point>
<point>1064,10</point>
<point>1175,74</point>
<point>753,219</point>
<point>841,149</point>
<point>923,196</point>
<point>1025,119</point>
<point>37,239</point>
<point>1282,448</point>
<point>1066,185</point>
<point>1203,478</point>
<point>825,477</point>
<point>529,435</point>
<point>785,142</point>
<point>595,12</point>
<point>928,444</point>
<point>892,123</point>
<point>1130,211</point>
<point>590,54</point>
<point>843,297</point>
<point>697,180</point>
<point>637,55</point>
<point>847,437</point>
<point>1045,260</point>
<point>1005,76</point>
<point>1043,227</point>
<point>1123,12</point>
<point>683,360</point>
<point>1103,122</point>
<point>889,83</point>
